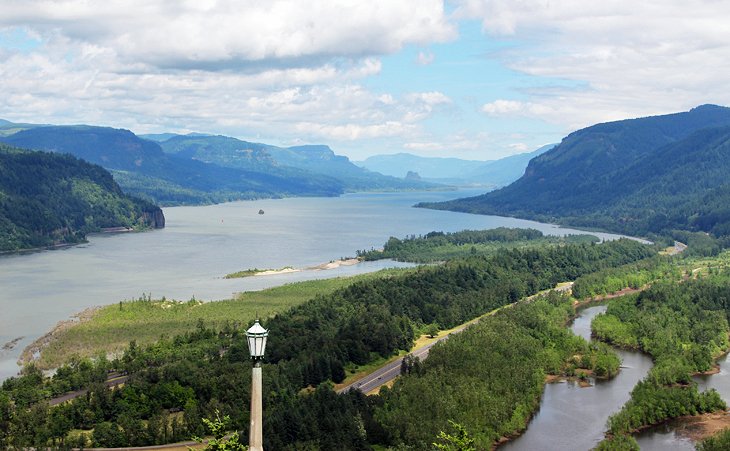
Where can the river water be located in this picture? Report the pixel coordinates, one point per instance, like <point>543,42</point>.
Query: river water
<point>573,417</point>
<point>200,245</point>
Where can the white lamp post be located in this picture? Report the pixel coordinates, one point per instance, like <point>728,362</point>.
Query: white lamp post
<point>256,337</point>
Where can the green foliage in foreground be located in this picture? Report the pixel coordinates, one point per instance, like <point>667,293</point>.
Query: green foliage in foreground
<point>718,442</point>
<point>218,429</point>
<point>488,378</point>
<point>683,327</point>
<point>48,199</point>
<point>440,246</point>
<point>459,441</point>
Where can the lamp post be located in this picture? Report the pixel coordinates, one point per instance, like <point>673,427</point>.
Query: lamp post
<point>256,337</point>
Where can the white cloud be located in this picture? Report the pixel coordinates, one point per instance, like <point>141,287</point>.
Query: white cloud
<point>233,33</point>
<point>282,71</point>
<point>609,60</point>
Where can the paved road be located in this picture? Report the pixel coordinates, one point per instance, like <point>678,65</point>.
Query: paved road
<point>113,380</point>
<point>387,373</point>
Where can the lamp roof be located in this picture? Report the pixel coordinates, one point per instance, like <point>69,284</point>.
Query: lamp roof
<point>257,329</point>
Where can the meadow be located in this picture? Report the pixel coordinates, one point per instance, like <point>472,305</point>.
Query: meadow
<point>109,330</point>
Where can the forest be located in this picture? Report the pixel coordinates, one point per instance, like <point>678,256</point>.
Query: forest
<point>179,380</point>
<point>48,199</point>
<point>440,246</point>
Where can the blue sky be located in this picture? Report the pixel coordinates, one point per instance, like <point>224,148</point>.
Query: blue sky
<point>475,79</point>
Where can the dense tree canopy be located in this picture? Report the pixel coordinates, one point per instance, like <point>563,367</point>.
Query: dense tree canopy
<point>50,198</point>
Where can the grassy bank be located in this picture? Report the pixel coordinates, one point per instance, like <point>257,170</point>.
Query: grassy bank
<point>109,329</point>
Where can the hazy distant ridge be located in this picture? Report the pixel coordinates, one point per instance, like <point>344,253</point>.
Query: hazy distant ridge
<point>490,174</point>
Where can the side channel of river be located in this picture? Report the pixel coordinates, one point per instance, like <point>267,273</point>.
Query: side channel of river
<point>572,417</point>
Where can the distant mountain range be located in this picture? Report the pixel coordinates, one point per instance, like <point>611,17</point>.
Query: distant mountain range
<point>193,169</point>
<point>455,171</point>
<point>48,199</point>
<point>315,161</point>
<point>640,176</point>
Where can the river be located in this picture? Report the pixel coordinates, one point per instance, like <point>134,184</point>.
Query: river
<point>573,417</point>
<point>200,245</point>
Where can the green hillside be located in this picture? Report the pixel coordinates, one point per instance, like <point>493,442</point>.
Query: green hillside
<point>317,162</point>
<point>641,176</point>
<point>148,171</point>
<point>48,199</point>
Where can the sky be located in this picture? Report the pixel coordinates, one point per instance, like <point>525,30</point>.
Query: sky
<point>473,79</point>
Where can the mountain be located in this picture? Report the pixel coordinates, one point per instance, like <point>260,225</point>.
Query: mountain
<point>318,161</point>
<point>639,176</point>
<point>506,170</point>
<point>48,199</point>
<point>399,164</point>
<point>142,168</point>
<point>455,171</point>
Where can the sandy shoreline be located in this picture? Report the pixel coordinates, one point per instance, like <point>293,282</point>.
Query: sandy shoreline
<point>321,267</point>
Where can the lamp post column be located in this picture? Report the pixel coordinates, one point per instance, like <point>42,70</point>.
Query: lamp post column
<point>256,435</point>
<point>256,337</point>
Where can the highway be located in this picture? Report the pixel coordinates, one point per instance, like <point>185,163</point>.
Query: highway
<point>390,371</point>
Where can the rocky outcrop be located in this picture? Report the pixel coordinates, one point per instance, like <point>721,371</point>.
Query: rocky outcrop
<point>155,218</point>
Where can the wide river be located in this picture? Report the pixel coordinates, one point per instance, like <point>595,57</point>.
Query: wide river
<point>200,245</point>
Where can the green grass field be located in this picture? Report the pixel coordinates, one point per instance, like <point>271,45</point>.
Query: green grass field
<point>111,328</point>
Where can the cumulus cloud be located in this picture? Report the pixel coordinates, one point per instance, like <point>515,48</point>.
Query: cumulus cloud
<point>282,70</point>
<point>610,59</point>
<point>220,33</point>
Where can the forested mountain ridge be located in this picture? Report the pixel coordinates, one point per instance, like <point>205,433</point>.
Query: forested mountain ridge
<point>142,168</point>
<point>48,199</point>
<point>196,168</point>
<point>315,161</point>
<point>638,176</point>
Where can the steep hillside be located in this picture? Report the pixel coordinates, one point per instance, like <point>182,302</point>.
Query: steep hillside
<point>144,169</point>
<point>318,162</point>
<point>638,176</point>
<point>48,199</point>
